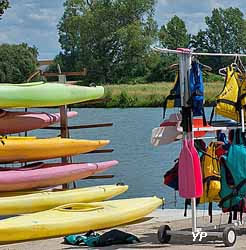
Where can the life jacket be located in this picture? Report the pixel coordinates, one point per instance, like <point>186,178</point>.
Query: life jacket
<point>174,98</point>
<point>196,92</point>
<point>227,102</point>
<point>233,176</point>
<point>170,178</point>
<point>210,174</point>
<point>196,89</point>
<point>242,84</point>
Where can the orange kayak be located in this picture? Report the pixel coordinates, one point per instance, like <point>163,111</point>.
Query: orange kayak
<point>26,149</point>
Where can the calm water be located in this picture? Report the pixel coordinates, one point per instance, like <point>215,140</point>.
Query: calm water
<point>141,165</point>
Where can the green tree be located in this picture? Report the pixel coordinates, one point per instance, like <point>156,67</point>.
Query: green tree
<point>17,62</point>
<point>4,4</point>
<point>225,33</point>
<point>110,38</point>
<point>174,34</point>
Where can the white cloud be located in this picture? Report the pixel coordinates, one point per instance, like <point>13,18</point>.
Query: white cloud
<point>192,12</point>
<point>35,21</point>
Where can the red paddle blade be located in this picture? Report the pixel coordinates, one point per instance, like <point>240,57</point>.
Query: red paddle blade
<point>186,173</point>
<point>197,170</point>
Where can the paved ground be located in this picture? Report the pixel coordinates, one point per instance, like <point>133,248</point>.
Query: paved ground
<point>146,230</point>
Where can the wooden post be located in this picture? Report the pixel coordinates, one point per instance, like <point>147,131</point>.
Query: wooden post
<point>63,122</point>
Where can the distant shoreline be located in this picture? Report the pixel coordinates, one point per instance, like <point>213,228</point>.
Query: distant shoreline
<point>145,95</point>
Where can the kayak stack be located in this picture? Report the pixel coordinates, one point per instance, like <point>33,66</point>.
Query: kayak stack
<point>32,189</point>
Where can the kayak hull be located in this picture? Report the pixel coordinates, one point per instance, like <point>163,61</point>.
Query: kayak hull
<point>49,174</point>
<point>17,122</point>
<point>75,218</point>
<point>31,149</point>
<point>40,94</point>
<point>45,200</point>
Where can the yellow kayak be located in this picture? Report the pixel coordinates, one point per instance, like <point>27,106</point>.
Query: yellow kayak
<point>75,218</point>
<point>32,149</point>
<point>40,201</point>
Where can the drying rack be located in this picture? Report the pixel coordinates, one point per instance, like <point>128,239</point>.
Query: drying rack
<point>228,234</point>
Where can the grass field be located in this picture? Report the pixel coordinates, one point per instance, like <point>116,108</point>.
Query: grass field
<point>149,94</point>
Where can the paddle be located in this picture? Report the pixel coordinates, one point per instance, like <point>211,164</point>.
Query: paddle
<point>190,182</point>
<point>197,169</point>
<point>186,172</point>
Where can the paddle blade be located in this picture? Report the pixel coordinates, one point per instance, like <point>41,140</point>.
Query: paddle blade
<point>165,135</point>
<point>197,170</point>
<point>186,173</point>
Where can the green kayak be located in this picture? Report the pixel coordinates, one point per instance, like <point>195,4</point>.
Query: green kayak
<point>40,94</point>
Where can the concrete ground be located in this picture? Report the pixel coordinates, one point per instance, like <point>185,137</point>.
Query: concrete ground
<point>146,230</point>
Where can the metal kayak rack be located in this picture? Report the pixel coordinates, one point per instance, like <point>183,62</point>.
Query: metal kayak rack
<point>224,232</point>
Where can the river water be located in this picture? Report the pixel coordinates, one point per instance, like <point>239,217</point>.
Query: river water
<point>141,165</point>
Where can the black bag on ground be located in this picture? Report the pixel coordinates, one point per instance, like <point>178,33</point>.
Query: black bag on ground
<point>93,239</point>
<point>116,236</point>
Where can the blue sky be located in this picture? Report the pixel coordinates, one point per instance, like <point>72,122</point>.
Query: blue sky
<point>35,21</point>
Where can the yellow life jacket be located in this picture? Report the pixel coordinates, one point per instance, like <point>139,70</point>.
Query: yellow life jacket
<point>211,175</point>
<point>242,84</point>
<point>227,100</point>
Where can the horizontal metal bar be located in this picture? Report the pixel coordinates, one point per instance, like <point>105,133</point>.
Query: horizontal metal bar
<point>189,233</point>
<point>216,54</point>
<point>99,177</point>
<point>82,126</point>
<point>179,232</point>
<point>171,51</point>
<point>99,151</point>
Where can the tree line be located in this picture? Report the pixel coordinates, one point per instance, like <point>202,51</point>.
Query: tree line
<point>113,39</point>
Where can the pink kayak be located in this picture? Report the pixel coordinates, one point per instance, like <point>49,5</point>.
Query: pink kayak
<point>16,122</point>
<point>49,174</point>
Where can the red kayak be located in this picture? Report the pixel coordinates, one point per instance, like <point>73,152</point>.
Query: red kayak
<point>49,174</point>
<point>17,122</point>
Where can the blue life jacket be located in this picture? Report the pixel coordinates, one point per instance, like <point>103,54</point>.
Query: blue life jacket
<point>196,89</point>
<point>196,92</point>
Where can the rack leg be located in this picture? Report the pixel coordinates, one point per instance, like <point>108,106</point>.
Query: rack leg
<point>193,208</point>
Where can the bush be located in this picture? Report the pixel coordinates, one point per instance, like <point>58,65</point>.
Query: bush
<point>126,101</point>
<point>210,77</point>
<point>17,62</point>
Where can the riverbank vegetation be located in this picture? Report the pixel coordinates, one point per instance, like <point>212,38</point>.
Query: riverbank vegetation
<point>146,95</point>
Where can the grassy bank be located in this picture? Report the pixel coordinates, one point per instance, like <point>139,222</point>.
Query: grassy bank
<point>147,95</point>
